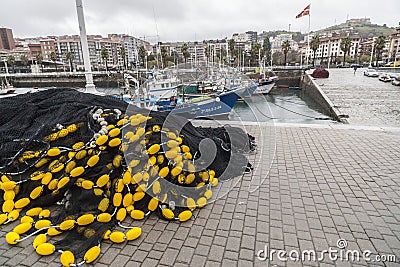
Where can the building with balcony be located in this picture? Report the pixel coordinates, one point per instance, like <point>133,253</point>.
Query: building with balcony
<point>394,46</point>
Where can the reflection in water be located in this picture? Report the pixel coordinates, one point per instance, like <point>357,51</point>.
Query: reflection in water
<point>281,105</point>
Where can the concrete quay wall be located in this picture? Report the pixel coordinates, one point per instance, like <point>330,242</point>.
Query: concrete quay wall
<point>312,89</point>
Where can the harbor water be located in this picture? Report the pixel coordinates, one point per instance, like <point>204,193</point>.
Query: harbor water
<point>279,106</point>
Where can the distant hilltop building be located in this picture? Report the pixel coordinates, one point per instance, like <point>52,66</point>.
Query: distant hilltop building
<point>359,21</point>
<point>6,39</point>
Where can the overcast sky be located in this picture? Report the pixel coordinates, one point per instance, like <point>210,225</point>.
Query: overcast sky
<point>183,20</point>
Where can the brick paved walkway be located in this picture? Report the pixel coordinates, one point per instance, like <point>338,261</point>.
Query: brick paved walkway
<point>324,184</point>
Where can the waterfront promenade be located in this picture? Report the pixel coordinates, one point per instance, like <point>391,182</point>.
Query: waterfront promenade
<point>325,184</point>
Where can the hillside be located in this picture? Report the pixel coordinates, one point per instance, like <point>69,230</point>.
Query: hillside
<point>364,30</point>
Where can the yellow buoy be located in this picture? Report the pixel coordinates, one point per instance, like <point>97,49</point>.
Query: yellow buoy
<point>133,233</point>
<point>53,232</point>
<point>12,238</point>
<point>21,203</point>
<point>63,182</point>
<point>121,214</point>
<point>114,142</point>
<point>33,211</point>
<point>137,214</point>
<point>3,218</point>
<point>156,187</point>
<point>13,215</point>
<point>104,217</point>
<point>22,228</point>
<point>42,224</point>
<point>44,214</point>
<point>168,214</point>
<point>67,225</point>
<point>163,172</point>
<point>67,258</point>
<point>201,202</point>
<point>9,195</point>
<point>93,160</point>
<point>117,199</point>
<point>208,194</point>
<point>77,171</point>
<point>26,219</point>
<point>153,149</point>
<point>191,204</point>
<point>153,204</point>
<point>92,254</point>
<point>8,185</point>
<point>138,196</point>
<point>52,152</point>
<point>103,180</point>
<point>40,239</point>
<point>8,206</point>
<point>103,204</point>
<point>117,237</point>
<point>87,184</point>
<point>85,219</point>
<point>114,132</point>
<point>45,249</point>
<point>102,140</point>
<point>127,200</point>
<point>185,215</point>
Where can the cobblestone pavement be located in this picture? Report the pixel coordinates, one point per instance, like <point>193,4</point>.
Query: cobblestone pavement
<point>366,100</point>
<point>321,185</point>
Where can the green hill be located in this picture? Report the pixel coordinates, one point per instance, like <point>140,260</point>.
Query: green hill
<point>363,30</point>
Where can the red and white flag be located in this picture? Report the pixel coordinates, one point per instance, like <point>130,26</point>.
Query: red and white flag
<point>305,12</point>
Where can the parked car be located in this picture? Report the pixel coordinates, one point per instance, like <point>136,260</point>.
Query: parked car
<point>393,64</point>
<point>356,65</point>
<point>345,65</point>
<point>371,73</point>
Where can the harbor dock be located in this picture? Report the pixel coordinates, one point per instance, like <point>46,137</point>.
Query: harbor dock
<point>313,188</point>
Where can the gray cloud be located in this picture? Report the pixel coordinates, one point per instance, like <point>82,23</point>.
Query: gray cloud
<point>186,20</point>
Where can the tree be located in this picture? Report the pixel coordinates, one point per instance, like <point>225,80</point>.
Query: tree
<point>53,57</point>
<point>24,60</point>
<point>314,45</point>
<point>104,55</point>
<point>345,46</point>
<point>267,49</point>
<point>231,47</point>
<point>122,53</point>
<point>142,53</point>
<point>11,62</point>
<point>39,60</point>
<point>70,57</point>
<point>255,52</point>
<point>285,48</point>
<point>277,57</point>
<point>164,55</point>
<point>185,51</point>
<point>379,44</point>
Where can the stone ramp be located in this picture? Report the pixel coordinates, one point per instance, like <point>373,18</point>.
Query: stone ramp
<point>323,185</point>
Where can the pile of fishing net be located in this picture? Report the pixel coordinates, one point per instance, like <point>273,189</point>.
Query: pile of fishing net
<point>102,162</point>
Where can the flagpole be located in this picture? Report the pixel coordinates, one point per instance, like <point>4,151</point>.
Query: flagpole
<point>308,36</point>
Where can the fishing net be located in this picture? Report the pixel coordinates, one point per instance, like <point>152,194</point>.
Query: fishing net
<point>101,162</point>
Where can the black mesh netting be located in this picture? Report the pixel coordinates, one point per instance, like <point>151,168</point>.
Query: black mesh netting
<point>101,162</point>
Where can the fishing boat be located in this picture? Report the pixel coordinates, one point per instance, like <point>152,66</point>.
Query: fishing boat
<point>265,84</point>
<point>207,106</point>
<point>161,84</point>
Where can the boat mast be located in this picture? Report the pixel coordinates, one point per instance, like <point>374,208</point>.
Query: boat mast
<point>90,87</point>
